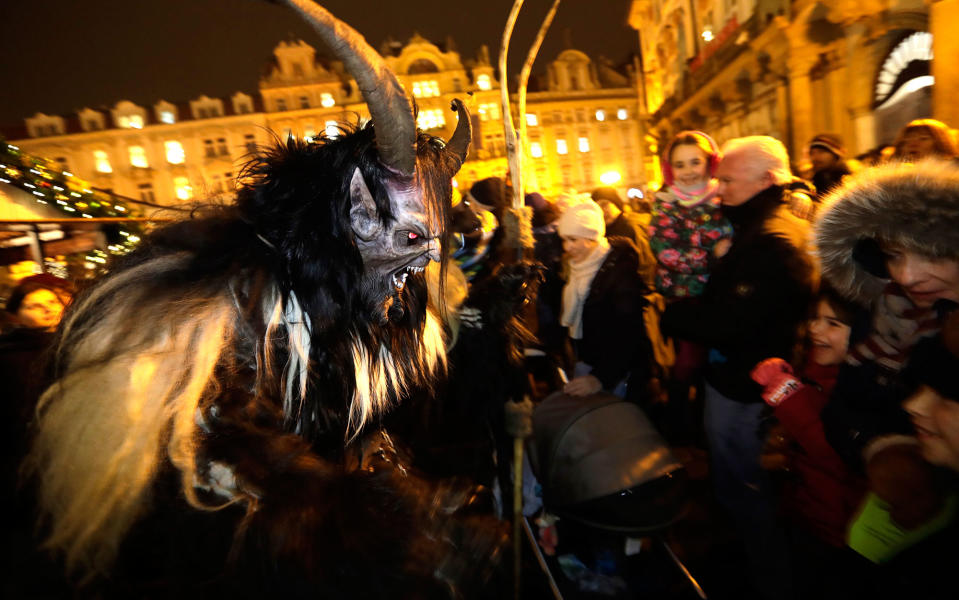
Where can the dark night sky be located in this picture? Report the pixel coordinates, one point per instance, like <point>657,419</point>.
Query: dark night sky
<point>62,55</point>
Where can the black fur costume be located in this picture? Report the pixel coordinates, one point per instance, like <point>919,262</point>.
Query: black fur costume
<point>212,428</point>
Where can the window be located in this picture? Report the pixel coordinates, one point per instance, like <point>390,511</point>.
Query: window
<point>166,116</point>
<point>174,152</point>
<point>600,115</point>
<point>536,150</point>
<point>138,157</point>
<point>93,125</point>
<point>243,108</point>
<point>488,111</point>
<point>483,82</point>
<point>426,89</point>
<point>531,119</point>
<point>326,100</point>
<point>202,113</point>
<point>430,119</point>
<point>146,192</point>
<point>130,122</point>
<point>280,104</point>
<point>621,114</point>
<point>584,144</point>
<point>331,129</point>
<point>221,147</point>
<point>304,102</point>
<point>183,189</point>
<point>297,70</point>
<point>208,150</point>
<point>102,161</point>
<point>561,147</point>
<point>249,140</point>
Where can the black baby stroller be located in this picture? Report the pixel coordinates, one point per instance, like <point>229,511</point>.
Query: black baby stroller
<point>612,480</point>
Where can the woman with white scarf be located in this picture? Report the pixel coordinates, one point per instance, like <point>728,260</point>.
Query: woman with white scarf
<point>603,303</point>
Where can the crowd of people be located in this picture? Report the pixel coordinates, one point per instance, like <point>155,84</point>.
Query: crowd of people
<point>810,317</point>
<point>801,328</point>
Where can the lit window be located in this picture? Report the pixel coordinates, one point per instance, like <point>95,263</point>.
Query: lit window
<point>331,129</point>
<point>584,144</point>
<point>130,122</point>
<point>621,114</point>
<point>426,89</point>
<point>102,161</point>
<point>610,177</point>
<point>531,119</point>
<point>600,115</point>
<point>561,147</point>
<point>138,157</point>
<point>166,116</point>
<point>488,112</point>
<point>483,82</point>
<point>174,152</point>
<point>326,100</point>
<point>536,150</point>
<point>430,119</point>
<point>183,189</point>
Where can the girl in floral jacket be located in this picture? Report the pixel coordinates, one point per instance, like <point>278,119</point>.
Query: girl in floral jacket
<point>686,223</point>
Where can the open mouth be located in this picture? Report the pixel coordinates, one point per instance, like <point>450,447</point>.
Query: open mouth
<point>399,278</point>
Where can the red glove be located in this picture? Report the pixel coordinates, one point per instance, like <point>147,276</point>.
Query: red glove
<point>777,379</point>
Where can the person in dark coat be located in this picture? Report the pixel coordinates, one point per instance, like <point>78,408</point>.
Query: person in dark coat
<point>828,157</point>
<point>752,307</point>
<point>603,303</point>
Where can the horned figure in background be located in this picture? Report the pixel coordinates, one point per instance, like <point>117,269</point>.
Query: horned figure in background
<point>239,362</point>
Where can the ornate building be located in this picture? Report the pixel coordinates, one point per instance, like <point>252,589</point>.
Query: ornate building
<point>583,123</point>
<point>789,69</point>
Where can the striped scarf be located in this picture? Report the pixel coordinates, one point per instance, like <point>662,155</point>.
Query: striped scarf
<point>897,326</point>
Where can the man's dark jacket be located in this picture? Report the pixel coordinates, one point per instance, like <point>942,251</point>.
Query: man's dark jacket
<point>757,297</point>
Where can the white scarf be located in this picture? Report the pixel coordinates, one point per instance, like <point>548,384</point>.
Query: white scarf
<point>581,275</point>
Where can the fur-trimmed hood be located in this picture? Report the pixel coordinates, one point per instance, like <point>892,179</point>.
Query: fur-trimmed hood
<point>913,205</point>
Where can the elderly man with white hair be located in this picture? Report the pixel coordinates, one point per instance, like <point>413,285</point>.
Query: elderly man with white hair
<point>752,307</point>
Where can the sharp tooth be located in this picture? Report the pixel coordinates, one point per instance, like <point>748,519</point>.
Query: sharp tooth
<point>403,277</point>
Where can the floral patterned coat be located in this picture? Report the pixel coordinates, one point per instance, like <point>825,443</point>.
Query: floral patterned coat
<point>683,239</point>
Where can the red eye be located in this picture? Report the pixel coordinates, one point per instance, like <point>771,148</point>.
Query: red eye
<point>412,235</point>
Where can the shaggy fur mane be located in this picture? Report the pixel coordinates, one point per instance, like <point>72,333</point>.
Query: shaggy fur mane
<point>265,300</point>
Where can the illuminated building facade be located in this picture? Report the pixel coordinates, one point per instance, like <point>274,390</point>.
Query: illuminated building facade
<point>584,124</point>
<point>786,68</point>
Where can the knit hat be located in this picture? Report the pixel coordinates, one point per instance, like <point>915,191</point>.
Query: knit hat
<point>544,212</point>
<point>829,142</point>
<point>608,194</point>
<point>583,220</point>
<point>490,193</point>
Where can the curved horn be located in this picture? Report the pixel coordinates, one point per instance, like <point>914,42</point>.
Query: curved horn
<point>389,107</point>
<point>459,143</point>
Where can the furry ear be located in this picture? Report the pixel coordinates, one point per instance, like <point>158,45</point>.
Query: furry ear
<point>364,217</point>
